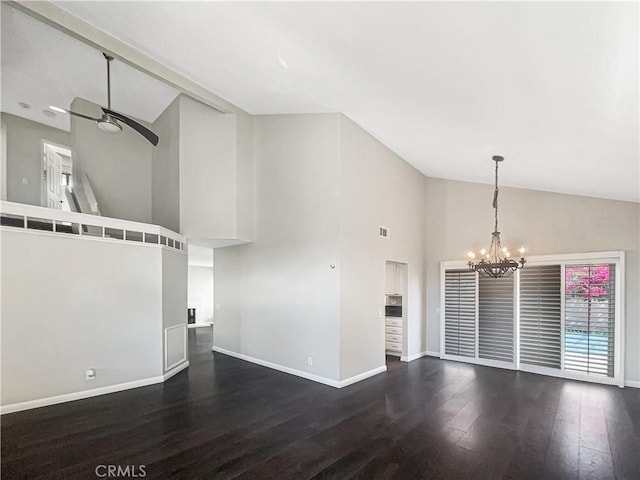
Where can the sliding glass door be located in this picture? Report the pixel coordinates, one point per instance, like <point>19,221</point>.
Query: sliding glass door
<point>589,334</point>
<point>495,319</point>
<point>460,313</point>
<point>478,318</point>
<point>540,338</point>
<point>560,316</point>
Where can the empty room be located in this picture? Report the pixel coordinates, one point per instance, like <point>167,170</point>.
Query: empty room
<point>320,240</point>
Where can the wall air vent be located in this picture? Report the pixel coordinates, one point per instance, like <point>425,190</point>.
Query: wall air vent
<point>384,232</point>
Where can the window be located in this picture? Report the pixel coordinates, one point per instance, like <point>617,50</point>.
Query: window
<point>560,316</point>
<point>541,316</point>
<point>589,332</point>
<point>460,313</point>
<point>495,318</point>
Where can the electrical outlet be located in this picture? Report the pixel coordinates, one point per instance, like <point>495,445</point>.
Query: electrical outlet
<point>217,306</point>
<point>91,374</point>
<point>309,361</point>
<point>379,313</point>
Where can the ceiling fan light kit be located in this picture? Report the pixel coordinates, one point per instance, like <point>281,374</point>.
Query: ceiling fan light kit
<point>496,262</point>
<point>108,122</point>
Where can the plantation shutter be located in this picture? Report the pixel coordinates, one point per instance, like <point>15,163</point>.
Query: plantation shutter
<point>496,318</point>
<point>541,316</point>
<point>590,319</point>
<point>460,313</point>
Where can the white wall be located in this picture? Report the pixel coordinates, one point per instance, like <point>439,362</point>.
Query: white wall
<point>278,296</point>
<point>69,304</point>
<point>322,190</point>
<point>208,171</point>
<point>3,159</point>
<point>118,165</point>
<point>202,174</point>
<point>460,218</point>
<point>174,307</point>
<point>24,156</point>
<point>377,188</point>
<point>165,169</point>
<point>245,178</point>
<point>200,292</point>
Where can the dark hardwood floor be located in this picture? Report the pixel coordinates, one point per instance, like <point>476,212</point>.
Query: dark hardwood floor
<point>429,419</point>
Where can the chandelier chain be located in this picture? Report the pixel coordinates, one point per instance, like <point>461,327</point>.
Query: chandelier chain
<point>495,200</point>
<point>496,262</point>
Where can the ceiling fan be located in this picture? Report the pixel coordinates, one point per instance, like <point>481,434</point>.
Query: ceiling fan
<point>108,122</point>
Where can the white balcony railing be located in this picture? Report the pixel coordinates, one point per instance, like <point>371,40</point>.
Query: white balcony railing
<point>47,220</point>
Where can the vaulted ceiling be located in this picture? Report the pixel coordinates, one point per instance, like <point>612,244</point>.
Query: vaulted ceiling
<point>42,66</point>
<point>551,86</point>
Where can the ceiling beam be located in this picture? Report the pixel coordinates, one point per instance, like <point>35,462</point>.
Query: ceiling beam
<point>77,28</point>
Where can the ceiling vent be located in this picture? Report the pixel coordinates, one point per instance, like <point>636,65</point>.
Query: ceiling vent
<point>384,232</point>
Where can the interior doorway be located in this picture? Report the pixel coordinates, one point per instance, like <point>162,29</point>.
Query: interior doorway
<point>56,176</point>
<point>395,311</point>
<point>200,299</point>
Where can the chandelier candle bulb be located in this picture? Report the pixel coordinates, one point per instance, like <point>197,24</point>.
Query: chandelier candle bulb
<point>496,262</point>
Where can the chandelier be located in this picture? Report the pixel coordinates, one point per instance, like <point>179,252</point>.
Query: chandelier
<point>495,262</point>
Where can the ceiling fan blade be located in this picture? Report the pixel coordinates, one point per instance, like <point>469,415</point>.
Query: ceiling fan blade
<point>75,114</point>
<point>141,129</point>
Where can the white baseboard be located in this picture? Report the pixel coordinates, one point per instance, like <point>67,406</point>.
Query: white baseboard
<point>415,356</point>
<point>426,353</point>
<point>70,397</point>
<point>281,368</point>
<point>301,373</point>
<point>631,383</point>
<point>361,376</point>
<point>175,370</point>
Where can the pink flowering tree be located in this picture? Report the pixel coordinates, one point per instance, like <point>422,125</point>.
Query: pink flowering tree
<point>590,282</point>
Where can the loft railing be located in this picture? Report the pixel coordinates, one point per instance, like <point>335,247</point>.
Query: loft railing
<point>50,221</point>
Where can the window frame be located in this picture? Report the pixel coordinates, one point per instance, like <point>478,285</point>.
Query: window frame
<point>616,258</point>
